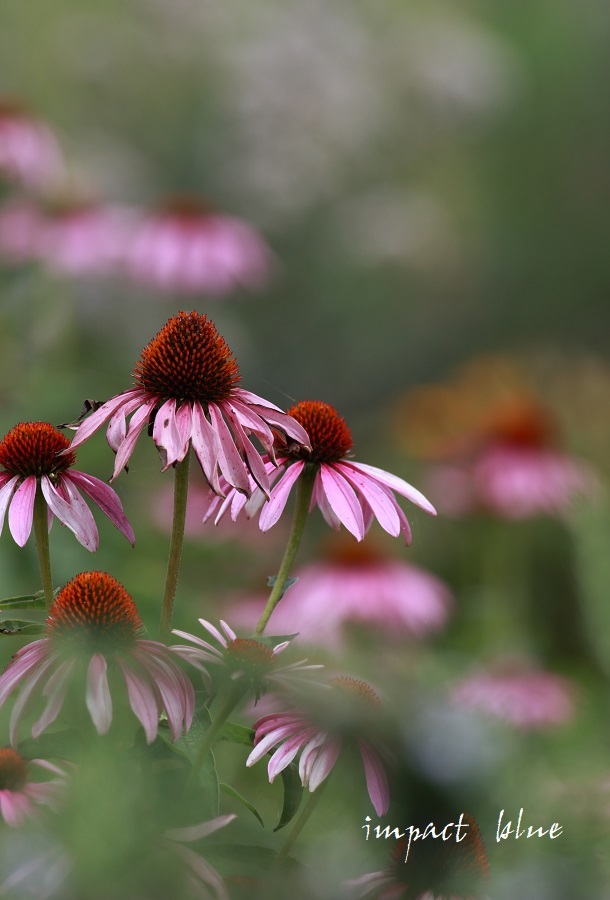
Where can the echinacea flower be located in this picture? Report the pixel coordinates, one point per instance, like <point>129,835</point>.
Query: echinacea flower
<point>347,492</point>
<point>356,584</point>
<point>21,226</point>
<point>35,456</point>
<point>320,740</point>
<point>430,869</point>
<point>19,795</point>
<point>187,392</point>
<point>29,152</point>
<point>92,627</point>
<point>188,249</point>
<point>248,659</point>
<point>527,698</point>
<point>84,238</point>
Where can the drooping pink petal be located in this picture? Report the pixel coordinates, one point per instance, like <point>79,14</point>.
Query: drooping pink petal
<point>376,778</point>
<point>75,513</point>
<point>324,762</point>
<point>206,445</point>
<point>279,496</point>
<point>230,462</point>
<point>15,807</point>
<point>96,419</point>
<point>23,663</point>
<point>253,459</point>
<point>117,426</point>
<point>141,699</point>
<point>170,688</point>
<point>395,484</point>
<point>200,831</point>
<point>137,423</point>
<point>6,492</point>
<point>55,690</point>
<point>21,512</point>
<point>31,684</point>
<point>381,505</point>
<point>166,434</point>
<point>249,419</point>
<point>107,500</point>
<point>319,499</point>
<point>343,500</point>
<point>97,698</point>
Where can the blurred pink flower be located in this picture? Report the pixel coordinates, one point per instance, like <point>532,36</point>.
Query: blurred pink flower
<point>93,625</point>
<point>297,731</point>
<point>21,226</point>
<point>187,392</point>
<point>356,584</point>
<point>85,239</point>
<point>521,696</point>
<point>346,492</point>
<point>19,795</point>
<point>29,152</point>
<point>33,458</point>
<point>188,249</point>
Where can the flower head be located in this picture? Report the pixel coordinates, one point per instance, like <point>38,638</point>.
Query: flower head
<point>19,795</point>
<point>187,392</point>
<point>188,249</point>
<point>319,738</point>
<point>252,660</point>
<point>432,870</point>
<point>94,625</point>
<point>356,584</point>
<point>524,697</point>
<point>35,456</point>
<point>347,492</point>
<point>29,152</point>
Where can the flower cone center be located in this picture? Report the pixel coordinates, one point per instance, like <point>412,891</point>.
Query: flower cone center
<point>94,609</point>
<point>13,770</point>
<point>249,656</point>
<point>188,360</point>
<point>330,437</point>
<point>356,690</point>
<point>31,448</point>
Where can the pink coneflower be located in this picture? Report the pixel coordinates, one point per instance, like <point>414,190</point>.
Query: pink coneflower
<point>21,226</point>
<point>19,796</point>
<point>29,152</point>
<point>527,698</point>
<point>320,741</point>
<point>94,625</point>
<point>35,456</point>
<point>188,249</point>
<point>356,584</point>
<point>254,661</point>
<point>434,870</point>
<point>348,493</point>
<point>84,238</point>
<point>187,392</point>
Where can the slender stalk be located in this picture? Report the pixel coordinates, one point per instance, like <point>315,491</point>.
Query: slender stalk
<point>181,482</point>
<point>41,534</point>
<point>234,695</point>
<point>304,491</point>
<point>300,822</point>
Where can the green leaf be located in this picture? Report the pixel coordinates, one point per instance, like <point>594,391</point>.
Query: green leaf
<point>237,734</point>
<point>26,601</point>
<point>20,626</point>
<point>271,579</point>
<point>231,792</point>
<point>188,747</point>
<point>293,791</point>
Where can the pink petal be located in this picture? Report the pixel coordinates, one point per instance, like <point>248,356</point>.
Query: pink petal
<point>253,459</point>
<point>98,699</point>
<point>55,690</point>
<point>97,418</point>
<point>166,434</point>
<point>142,700</point>
<point>279,496</point>
<point>325,760</point>
<point>137,423</point>
<point>22,664</point>
<point>376,778</point>
<point>381,504</point>
<point>206,445</point>
<point>117,426</point>
<point>319,499</point>
<point>251,421</point>
<point>6,492</point>
<point>107,500</point>
<point>197,832</point>
<point>21,512</point>
<point>230,462</point>
<point>75,513</point>
<point>396,484</point>
<point>343,500</point>
<point>170,689</point>
<point>15,807</point>
<point>27,689</point>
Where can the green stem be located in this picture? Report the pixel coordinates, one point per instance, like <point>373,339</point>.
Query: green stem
<point>41,534</point>
<point>234,695</point>
<point>304,491</point>
<point>300,822</point>
<point>181,483</point>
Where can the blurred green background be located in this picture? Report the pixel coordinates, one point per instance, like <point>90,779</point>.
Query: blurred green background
<point>434,182</point>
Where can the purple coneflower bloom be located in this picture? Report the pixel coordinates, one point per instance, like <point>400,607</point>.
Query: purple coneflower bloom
<point>186,390</point>
<point>35,456</point>
<point>243,658</point>
<point>356,584</point>
<point>188,249</point>
<point>29,152</point>
<point>21,226</point>
<point>320,743</point>
<point>434,870</point>
<point>94,625</point>
<point>348,493</point>
<point>18,794</point>
<point>524,697</point>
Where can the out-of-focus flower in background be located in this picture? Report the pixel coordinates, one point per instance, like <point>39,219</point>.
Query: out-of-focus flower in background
<point>519,694</point>
<point>186,248</point>
<point>29,151</point>
<point>356,584</point>
<point>19,795</point>
<point>21,227</point>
